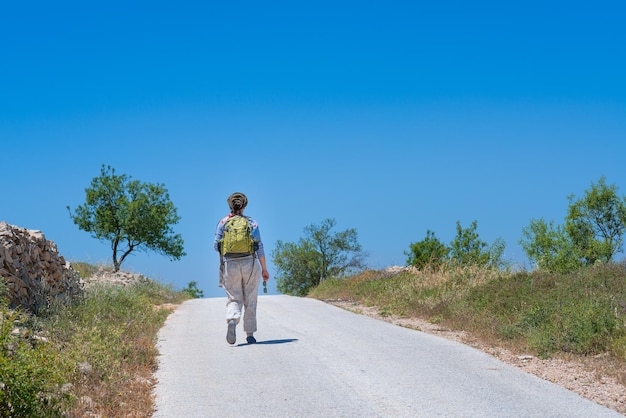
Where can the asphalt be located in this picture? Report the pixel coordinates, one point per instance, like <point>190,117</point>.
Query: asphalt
<point>316,360</point>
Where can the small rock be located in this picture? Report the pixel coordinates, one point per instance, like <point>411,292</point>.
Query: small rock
<point>85,368</point>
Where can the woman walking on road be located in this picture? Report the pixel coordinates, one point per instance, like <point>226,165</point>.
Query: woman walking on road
<point>242,264</point>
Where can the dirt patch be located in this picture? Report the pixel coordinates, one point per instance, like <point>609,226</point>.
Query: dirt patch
<point>166,306</point>
<point>582,375</point>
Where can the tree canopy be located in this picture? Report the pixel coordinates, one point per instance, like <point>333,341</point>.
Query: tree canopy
<point>316,257</point>
<point>593,231</point>
<point>129,214</point>
<point>193,291</point>
<point>428,253</point>
<point>596,222</point>
<point>466,249</point>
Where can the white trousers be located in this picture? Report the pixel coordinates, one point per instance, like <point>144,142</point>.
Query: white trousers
<point>241,278</point>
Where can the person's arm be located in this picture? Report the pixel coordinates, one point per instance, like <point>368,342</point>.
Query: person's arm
<point>264,272</point>
<point>260,251</point>
<point>219,234</point>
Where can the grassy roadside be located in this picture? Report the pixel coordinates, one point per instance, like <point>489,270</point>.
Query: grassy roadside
<point>580,314</point>
<point>92,357</point>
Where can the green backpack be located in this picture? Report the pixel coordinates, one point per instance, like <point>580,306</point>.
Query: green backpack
<point>237,240</point>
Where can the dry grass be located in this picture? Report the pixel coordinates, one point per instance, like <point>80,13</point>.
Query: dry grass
<point>114,346</point>
<point>125,391</point>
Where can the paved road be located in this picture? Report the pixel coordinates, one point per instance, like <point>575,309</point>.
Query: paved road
<point>316,360</point>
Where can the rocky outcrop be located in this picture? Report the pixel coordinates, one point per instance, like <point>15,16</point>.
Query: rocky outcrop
<point>105,276</point>
<point>33,270</point>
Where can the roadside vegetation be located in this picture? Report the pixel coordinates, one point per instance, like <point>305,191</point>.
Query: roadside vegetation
<point>581,313</point>
<point>320,254</point>
<point>92,356</point>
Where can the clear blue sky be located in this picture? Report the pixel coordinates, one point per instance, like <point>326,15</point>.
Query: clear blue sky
<point>389,117</point>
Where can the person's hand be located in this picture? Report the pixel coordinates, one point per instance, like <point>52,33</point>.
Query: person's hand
<point>266,275</point>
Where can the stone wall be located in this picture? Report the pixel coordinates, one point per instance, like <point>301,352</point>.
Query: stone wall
<point>33,270</point>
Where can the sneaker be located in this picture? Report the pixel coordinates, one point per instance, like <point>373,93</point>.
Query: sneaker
<point>230,335</point>
<point>251,339</point>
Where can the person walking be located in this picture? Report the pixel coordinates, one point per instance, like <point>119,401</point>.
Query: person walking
<point>242,264</point>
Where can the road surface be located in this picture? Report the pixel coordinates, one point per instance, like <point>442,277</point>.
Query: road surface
<point>316,360</point>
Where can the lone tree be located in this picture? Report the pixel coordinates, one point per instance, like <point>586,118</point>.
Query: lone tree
<point>316,257</point>
<point>129,214</point>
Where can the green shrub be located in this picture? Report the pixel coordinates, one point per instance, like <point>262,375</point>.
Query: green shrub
<point>577,312</point>
<point>99,347</point>
<point>31,375</point>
